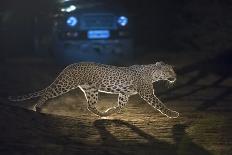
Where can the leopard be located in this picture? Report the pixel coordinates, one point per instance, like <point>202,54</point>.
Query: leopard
<point>93,78</point>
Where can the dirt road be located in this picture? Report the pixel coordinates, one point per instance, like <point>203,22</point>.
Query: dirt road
<point>67,127</point>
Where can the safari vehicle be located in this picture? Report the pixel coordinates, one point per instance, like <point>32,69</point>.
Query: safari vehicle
<point>92,30</point>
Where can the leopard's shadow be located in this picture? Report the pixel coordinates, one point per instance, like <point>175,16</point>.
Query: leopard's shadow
<point>183,144</point>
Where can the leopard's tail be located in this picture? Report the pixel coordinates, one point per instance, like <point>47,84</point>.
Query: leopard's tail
<point>27,96</point>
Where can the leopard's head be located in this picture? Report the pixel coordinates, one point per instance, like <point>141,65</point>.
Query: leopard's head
<point>163,71</point>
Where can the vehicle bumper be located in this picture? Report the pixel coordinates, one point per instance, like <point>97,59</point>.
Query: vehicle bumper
<point>102,51</point>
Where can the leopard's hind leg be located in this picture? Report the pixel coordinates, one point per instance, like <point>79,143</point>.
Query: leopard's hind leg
<point>48,94</point>
<point>63,84</point>
<point>122,100</point>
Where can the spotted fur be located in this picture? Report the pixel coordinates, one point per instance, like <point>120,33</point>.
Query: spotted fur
<point>92,78</point>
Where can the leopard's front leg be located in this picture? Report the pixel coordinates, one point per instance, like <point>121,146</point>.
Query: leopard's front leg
<point>145,90</point>
<point>157,104</point>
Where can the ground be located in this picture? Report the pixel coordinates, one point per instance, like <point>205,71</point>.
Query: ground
<point>202,95</point>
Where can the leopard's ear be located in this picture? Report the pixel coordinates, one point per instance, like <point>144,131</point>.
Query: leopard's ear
<point>160,63</point>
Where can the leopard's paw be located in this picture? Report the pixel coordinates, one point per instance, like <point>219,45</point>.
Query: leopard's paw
<point>173,114</point>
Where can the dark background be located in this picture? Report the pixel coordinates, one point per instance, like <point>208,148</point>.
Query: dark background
<point>192,35</point>
<point>168,25</point>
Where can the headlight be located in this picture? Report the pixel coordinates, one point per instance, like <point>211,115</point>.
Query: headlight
<point>69,9</point>
<point>72,21</point>
<point>122,21</point>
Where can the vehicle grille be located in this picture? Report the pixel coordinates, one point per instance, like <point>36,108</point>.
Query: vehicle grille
<point>98,21</point>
